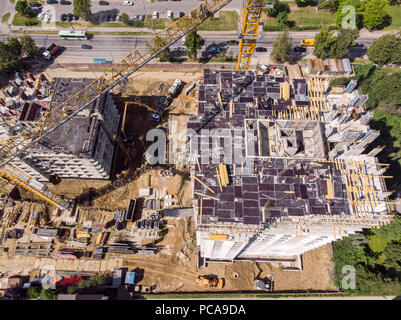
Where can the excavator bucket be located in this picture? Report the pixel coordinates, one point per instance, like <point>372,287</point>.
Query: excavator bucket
<point>220,284</point>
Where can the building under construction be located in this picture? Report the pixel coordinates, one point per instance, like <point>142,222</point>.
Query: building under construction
<point>279,167</point>
<point>83,147</point>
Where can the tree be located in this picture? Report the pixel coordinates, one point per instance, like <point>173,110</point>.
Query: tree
<point>331,5</point>
<point>386,49</point>
<point>282,20</point>
<point>282,47</point>
<point>375,13</point>
<point>344,40</point>
<point>159,43</point>
<point>82,9</point>
<point>29,45</point>
<point>357,5</point>
<point>14,45</point>
<point>23,8</point>
<point>305,3</point>
<point>277,8</point>
<point>92,285</point>
<point>193,42</point>
<point>125,18</point>
<point>323,42</point>
<point>9,61</point>
<point>34,292</point>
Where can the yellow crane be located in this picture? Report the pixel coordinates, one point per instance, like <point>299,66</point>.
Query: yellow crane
<point>118,74</point>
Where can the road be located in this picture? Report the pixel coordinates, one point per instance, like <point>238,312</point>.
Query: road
<point>114,48</point>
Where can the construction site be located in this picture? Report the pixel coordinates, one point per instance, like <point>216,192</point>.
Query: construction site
<point>262,172</point>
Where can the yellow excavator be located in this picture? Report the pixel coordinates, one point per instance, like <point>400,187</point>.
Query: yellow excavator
<point>206,281</point>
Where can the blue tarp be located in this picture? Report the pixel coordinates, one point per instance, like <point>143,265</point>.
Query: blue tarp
<point>130,278</point>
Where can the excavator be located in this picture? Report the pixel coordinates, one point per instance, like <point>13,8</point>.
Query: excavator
<point>18,144</point>
<point>209,281</point>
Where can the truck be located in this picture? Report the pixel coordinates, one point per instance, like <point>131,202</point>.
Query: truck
<point>51,51</point>
<point>307,42</point>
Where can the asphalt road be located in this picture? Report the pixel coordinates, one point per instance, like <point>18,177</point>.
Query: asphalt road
<point>114,48</point>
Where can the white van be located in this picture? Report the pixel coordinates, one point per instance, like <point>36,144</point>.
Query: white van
<point>155,15</point>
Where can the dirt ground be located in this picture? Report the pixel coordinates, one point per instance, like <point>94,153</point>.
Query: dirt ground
<point>174,268</point>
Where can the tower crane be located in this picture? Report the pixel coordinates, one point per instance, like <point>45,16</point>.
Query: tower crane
<point>19,143</point>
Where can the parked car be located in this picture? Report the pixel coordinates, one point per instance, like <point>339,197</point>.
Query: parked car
<point>170,14</point>
<point>52,1</point>
<point>63,17</point>
<point>135,17</point>
<point>65,2</point>
<point>232,42</point>
<point>128,3</point>
<point>141,17</point>
<point>86,46</point>
<point>155,15</point>
<point>70,17</point>
<point>260,49</point>
<point>213,50</point>
<point>299,49</point>
<point>47,17</point>
<point>35,4</point>
<point>103,3</point>
<point>41,16</point>
<point>118,17</point>
<point>108,18</point>
<point>181,14</point>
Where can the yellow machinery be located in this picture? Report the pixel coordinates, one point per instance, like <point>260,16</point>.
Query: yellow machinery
<point>118,75</point>
<point>212,283</point>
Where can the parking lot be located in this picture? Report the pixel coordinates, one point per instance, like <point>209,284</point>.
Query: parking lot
<point>104,11</point>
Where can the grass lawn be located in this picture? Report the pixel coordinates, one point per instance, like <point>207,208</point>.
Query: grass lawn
<point>6,17</point>
<point>12,1</point>
<point>227,21</point>
<point>395,13</point>
<point>160,23</point>
<point>306,18</point>
<point>19,20</point>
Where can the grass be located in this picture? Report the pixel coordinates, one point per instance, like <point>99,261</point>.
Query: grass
<point>395,14</point>
<point>306,18</point>
<point>6,17</point>
<point>12,1</point>
<point>19,20</point>
<point>227,21</point>
<point>160,23</point>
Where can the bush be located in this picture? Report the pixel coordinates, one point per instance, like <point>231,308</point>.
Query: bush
<point>277,8</point>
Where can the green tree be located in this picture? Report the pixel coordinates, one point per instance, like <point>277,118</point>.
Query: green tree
<point>323,42</point>
<point>9,61</point>
<point>344,40</point>
<point>159,43</point>
<point>386,49</point>
<point>14,293</point>
<point>375,13</point>
<point>82,9</point>
<point>193,42</point>
<point>14,45</point>
<point>277,8</point>
<point>125,18</point>
<point>23,8</point>
<point>92,285</point>
<point>358,6</point>
<point>282,47</point>
<point>29,45</point>
<point>34,292</point>
<point>282,20</point>
<point>331,5</point>
<point>48,294</point>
